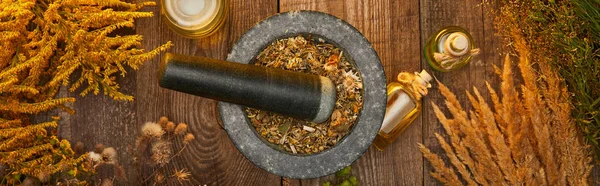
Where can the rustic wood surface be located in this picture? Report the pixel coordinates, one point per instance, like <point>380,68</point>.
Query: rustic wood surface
<point>397,30</point>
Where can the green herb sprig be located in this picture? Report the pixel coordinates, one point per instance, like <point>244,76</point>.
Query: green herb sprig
<point>343,177</point>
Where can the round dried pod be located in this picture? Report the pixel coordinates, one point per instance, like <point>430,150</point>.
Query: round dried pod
<point>95,157</point>
<point>163,121</point>
<point>109,155</point>
<point>78,148</point>
<point>181,128</point>
<point>161,152</point>
<point>188,138</point>
<point>151,129</point>
<point>99,148</point>
<point>170,127</point>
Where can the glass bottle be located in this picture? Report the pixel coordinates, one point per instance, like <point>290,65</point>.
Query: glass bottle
<point>403,107</point>
<point>194,18</point>
<point>449,49</point>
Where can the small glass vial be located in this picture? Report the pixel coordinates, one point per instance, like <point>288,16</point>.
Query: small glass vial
<point>449,49</point>
<point>403,107</point>
<point>194,18</point>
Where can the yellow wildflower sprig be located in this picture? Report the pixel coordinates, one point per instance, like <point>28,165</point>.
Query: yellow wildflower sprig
<point>34,108</point>
<point>42,44</point>
<point>9,123</point>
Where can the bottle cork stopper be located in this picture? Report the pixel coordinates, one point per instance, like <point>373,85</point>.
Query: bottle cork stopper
<point>457,44</point>
<point>425,77</point>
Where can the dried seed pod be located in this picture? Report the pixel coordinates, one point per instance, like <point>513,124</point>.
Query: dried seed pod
<point>78,148</point>
<point>99,148</point>
<point>163,121</point>
<point>109,155</point>
<point>188,138</point>
<point>161,152</point>
<point>170,127</point>
<point>181,128</point>
<point>152,130</point>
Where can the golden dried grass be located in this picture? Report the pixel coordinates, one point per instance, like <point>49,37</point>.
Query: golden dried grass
<point>526,137</point>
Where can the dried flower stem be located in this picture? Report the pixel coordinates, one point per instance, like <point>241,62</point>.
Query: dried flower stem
<point>159,159</point>
<point>155,170</point>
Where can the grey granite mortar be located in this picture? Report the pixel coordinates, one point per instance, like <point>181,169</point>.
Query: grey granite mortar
<point>354,144</point>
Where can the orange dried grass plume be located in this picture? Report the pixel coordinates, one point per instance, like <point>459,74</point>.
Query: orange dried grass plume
<point>528,138</point>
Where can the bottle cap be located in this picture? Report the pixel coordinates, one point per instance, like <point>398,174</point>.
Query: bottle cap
<point>425,77</point>
<point>457,44</point>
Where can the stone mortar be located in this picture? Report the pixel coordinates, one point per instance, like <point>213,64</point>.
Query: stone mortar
<point>350,148</point>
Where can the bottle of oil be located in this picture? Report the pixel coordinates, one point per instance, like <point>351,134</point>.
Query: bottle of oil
<point>449,49</point>
<point>194,18</point>
<point>403,107</point>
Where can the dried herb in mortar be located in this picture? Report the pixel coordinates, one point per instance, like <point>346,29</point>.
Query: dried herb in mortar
<point>314,57</point>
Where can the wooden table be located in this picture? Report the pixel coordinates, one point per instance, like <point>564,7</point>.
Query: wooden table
<point>397,30</point>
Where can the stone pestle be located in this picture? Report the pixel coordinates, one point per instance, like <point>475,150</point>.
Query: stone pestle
<point>299,95</point>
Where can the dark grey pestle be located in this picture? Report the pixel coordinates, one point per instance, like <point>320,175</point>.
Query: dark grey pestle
<point>299,95</point>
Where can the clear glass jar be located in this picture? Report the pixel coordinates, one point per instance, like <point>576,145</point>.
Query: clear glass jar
<point>403,107</point>
<point>194,18</point>
<point>411,109</point>
<point>449,49</point>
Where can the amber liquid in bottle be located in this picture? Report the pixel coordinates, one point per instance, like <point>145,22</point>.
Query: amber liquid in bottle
<point>400,98</point>
<point>436,44</point>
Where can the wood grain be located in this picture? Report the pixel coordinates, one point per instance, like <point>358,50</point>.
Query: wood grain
<point>101,120</point>
<point>436,15</point>
<point>397,30</point>
<point>212,160</point>
<point>392,27</point>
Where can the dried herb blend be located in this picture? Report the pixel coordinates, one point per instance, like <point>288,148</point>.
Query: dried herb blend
<point>315,57</point>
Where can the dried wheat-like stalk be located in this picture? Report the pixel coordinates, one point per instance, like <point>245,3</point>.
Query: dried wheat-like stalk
<point>525,138</point>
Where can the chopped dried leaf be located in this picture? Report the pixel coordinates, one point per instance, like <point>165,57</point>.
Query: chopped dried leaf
<point>314,57</point>
<point>283,128</point>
